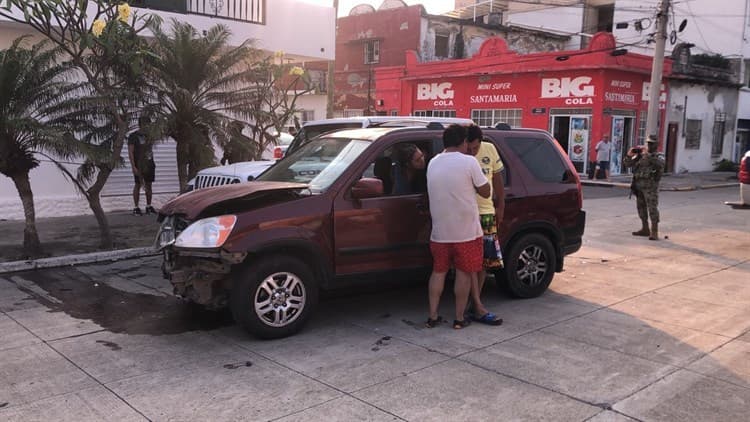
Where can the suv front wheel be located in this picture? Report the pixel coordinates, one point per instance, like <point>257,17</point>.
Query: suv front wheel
<point>274,296</point>
<point>529,266</point>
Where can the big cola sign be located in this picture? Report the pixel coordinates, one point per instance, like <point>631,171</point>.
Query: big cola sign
<point>441,93</point>
<point>576,91</point>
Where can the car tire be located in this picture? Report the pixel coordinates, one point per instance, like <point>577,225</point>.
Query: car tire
<point>529,266</point>
<point>274,296</point>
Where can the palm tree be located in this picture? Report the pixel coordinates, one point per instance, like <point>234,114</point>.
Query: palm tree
<point>31,80</point>
<point>198,88</point>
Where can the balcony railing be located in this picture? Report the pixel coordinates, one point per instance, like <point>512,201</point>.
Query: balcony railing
<point>253,11</point>
<point>242,10</point>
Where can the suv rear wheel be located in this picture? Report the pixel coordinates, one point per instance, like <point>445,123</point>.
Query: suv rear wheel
<point>529,266</point>
<point>274,296</point>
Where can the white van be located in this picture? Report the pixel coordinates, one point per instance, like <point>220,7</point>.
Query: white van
<point>248,171</point>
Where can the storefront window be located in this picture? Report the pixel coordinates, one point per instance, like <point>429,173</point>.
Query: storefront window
<point>434,113</point>
<point>489,118</point>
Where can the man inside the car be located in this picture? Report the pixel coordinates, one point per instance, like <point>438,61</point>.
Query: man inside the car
<point>491,212</point>
<point>453,180</point>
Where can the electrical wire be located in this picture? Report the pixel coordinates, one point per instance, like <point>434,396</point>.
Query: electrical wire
<point>697,27</point>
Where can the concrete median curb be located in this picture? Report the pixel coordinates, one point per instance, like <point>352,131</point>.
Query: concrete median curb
<point>663,188</point>
<point>87,258</point>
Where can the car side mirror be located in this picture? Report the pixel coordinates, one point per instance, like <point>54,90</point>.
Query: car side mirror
<point>367,187</point>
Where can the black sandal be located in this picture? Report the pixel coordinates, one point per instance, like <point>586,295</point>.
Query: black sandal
<point>432,323</point>
<point>458,325</point>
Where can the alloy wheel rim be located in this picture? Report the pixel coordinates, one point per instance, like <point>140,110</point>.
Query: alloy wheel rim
<point>280,299</point>
<point>532,266</point>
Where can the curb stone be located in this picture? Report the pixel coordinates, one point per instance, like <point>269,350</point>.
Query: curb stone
<point>671,188</point>
<point>87,258</point>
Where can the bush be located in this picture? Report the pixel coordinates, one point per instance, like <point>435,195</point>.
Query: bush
<point>711,60</point>
<point>726,165</point>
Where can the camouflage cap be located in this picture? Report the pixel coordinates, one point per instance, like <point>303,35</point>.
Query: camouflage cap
<point>652,139</point>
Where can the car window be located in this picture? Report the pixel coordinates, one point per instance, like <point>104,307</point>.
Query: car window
<point>318,163</point>
<point>307,133</point>
<point>539,156</point>
<point>394,167</point>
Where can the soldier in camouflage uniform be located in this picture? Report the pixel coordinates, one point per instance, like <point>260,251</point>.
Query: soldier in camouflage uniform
<point>647,171</point>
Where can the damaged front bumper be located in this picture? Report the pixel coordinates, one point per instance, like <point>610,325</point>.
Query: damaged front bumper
<point>198,275</point>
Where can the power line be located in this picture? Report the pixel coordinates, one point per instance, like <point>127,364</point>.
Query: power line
<point>697,27</point>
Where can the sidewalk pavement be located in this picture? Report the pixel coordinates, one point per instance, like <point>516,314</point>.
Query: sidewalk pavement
<point>674,182</point>
<point>75,240</point>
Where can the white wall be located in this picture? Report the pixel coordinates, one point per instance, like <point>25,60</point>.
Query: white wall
<point>565,19</point>
<point>724,99</point>
<point>743,109</point>
<point>316,102</point>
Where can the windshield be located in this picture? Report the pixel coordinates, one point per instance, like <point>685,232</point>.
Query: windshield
<point>318,163</point>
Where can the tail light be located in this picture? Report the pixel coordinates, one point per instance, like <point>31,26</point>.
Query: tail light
<point>278,154</point>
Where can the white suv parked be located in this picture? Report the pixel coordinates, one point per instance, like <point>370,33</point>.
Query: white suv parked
<point>249,170</point>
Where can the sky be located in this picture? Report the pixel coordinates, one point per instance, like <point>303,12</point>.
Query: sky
<point>434,7</point>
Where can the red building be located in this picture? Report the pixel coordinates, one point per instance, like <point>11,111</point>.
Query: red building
<point>576,95</point>
<point>366,40</point>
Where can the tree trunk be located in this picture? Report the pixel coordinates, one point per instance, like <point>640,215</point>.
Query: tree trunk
<point>32,247</point>
<point>105,234</point>
<point>183,155</point>
<point>93,193</point>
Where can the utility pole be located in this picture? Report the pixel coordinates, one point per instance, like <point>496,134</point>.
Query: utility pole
<point>662,17</point>
<point>332,63</point>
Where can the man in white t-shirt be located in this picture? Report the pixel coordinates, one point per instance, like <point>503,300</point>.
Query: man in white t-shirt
<point>603,150</point>
<point>453,180</point>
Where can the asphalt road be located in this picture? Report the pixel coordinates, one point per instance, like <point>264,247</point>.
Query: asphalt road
<point>631,330</point>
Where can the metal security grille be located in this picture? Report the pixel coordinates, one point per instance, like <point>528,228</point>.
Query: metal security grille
<point>243,10</point>
<point>693,129</point>
<point>489,117</point>
<point>717,144</point>
<point>210,181</point>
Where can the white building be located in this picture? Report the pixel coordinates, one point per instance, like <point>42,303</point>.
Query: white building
<point>712,27</point>
<point>303,31</point>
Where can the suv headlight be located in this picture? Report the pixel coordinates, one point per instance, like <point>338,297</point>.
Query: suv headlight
<point>207,233</point>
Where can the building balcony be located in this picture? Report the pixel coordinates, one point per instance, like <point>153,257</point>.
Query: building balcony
<point>253,11</point>
<point>303,31</point>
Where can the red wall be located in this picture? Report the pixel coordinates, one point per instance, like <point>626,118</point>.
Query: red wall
<point>396,29</point>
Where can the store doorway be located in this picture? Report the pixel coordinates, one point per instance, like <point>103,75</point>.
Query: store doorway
<point>622,141</point>
<point>572,132</point>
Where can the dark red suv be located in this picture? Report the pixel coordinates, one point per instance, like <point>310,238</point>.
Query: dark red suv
<point>323,216</point>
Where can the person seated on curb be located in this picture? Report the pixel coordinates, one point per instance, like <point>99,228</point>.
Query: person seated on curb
<point>453,180</point>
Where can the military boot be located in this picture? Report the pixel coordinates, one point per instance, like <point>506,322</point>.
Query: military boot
<point>654,232</point>
<point>644,229</point>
